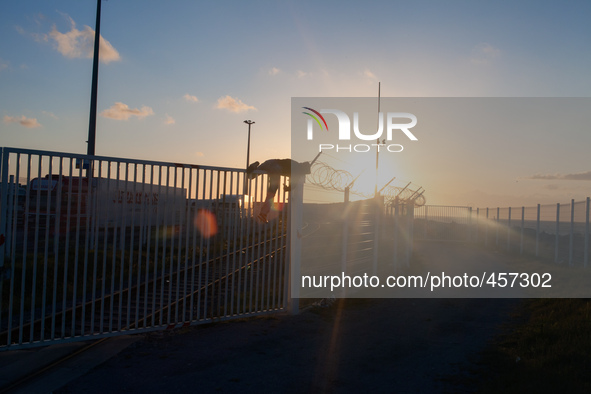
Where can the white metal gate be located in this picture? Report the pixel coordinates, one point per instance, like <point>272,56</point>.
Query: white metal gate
<point>99,246</point>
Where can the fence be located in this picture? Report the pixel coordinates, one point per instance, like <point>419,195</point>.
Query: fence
<point>98,246</point>
<point>559,233</point>
<point>353,238</point>
<point>439,222</point>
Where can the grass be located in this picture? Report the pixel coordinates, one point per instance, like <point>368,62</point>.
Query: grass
<point>547,348</point>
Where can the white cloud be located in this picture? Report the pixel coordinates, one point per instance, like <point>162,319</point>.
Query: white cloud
<point>120,111</point>
<point>3,64</point>
<point>50,114</point>
<point>369,76</point>
<point>199,154</point>
<point>80,43</point>
<point>169,120</point>
<point>233,105</point>
<point>484,53</point>
<point>301,74</point>
<point>192,98</point>
<point>23,121</point>
<point>274,71</point>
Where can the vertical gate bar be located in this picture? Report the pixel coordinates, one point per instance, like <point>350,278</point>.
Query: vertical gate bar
<point>131,213</point>
<point>123,237</point>
<point>191,223</point>
<point>169,229</point>
<point>25,250</point>
<point>185,230</point>
<point>57,227</point>
<point>147,239</point>
<point>253,246</point>
<point>35,251</point>
<point>208,253</point>
<point>152,211</point>
<point>117,224</point>
<point>177,234</point>
<point>105,278</point>
<point>96,193</point>
<point>139,200</point>
<point>243,240</point>
<point>46,249</point>
<point>160,227</point>
<point>13,246</point>
<point>223,293</point>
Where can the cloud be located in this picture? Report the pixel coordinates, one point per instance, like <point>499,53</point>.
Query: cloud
<point>169,120</point>
<point>199,154</point>
<point>233,105</point>
<point>579,176</point>
<point>80,43</point>
<point>274,71</point>
<point>301,74</point>
<point>23,121</point>
<point>3,64</point>
<point>120,111</point>
<point>189,97</point>
<point>50,114</point>
<point>484,53</point>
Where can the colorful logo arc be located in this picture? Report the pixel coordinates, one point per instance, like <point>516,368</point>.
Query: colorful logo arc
<point>315,118</point>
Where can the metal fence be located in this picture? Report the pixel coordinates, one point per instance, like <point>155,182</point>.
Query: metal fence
<point>559,232</point>
<point>353,238</point>
<point>99,246</point>
<point>440,222</point>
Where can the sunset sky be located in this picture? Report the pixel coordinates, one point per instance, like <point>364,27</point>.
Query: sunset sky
<point>178,78</point>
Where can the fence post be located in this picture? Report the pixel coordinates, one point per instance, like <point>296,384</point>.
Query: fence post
<point>498,224</point>
<point>586,252</point>
<point>522,225</point>
<point>3,201</point>
<point>486,229</point>
<point>538,232</point>
<point>469,224</point>
<point>509,231</point>
<point>295,243</point>
<point>557,233</point>
<point>572,231</point>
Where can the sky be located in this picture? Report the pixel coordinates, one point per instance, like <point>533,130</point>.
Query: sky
<point>178,78</point>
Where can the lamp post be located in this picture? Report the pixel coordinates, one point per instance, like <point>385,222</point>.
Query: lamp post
<point>248,122</point>
<point>95,66</point>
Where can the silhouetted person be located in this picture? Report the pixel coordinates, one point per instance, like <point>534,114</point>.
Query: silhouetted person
<point>276,168</point>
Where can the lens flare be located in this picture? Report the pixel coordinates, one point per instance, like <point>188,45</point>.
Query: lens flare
<point>206,223</point>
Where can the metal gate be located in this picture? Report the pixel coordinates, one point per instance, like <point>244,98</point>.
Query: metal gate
<point>98,246</point>
<point>442,223</point>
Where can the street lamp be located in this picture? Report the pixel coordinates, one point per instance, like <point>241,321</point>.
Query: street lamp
<point>248,122</point>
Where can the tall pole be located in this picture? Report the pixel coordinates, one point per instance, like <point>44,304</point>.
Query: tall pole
<point>248,122</point>
<point>93,95</point>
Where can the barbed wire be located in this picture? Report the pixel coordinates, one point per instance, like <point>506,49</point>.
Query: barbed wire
<point>326,177</point>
